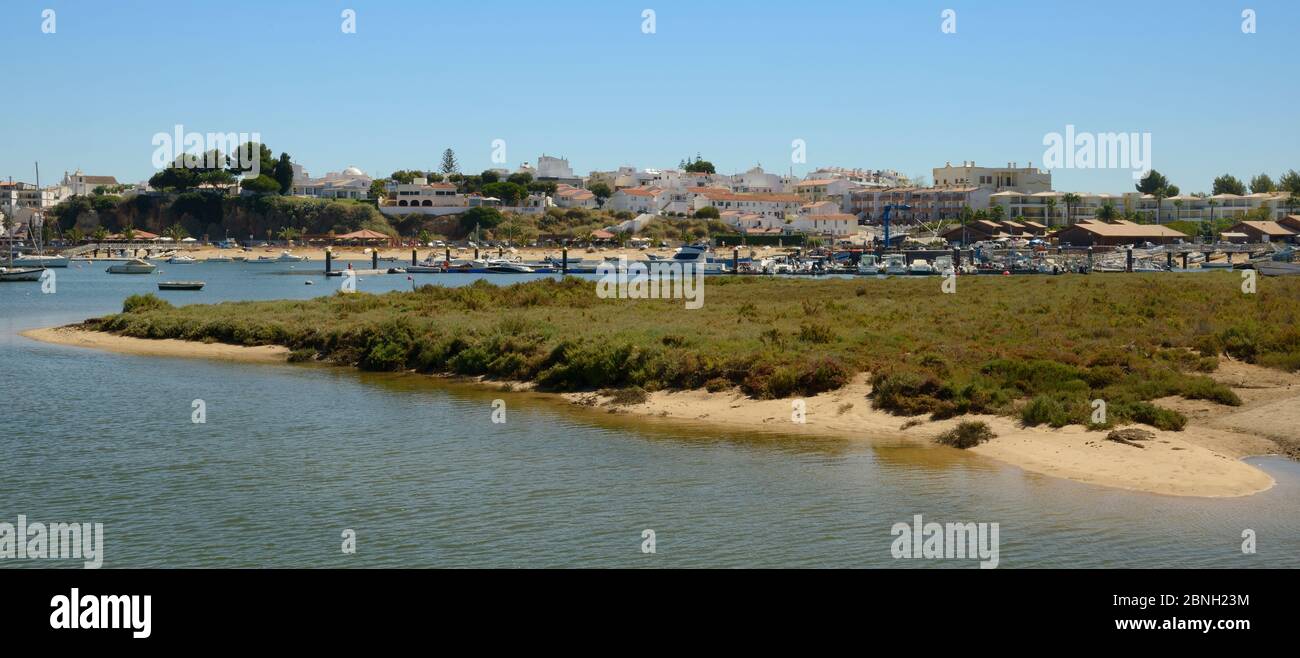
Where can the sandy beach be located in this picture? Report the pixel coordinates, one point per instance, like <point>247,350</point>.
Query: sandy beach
<point>1203,460</point>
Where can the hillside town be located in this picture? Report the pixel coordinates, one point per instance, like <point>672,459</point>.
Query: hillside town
<point>963,203</point>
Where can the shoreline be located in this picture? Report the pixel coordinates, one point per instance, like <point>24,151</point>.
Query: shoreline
<point>1203,460</point>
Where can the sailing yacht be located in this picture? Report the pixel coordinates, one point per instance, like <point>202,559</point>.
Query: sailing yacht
<point>14,273</point>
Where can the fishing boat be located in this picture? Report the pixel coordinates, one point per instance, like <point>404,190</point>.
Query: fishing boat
<point>182,259</point>
<point>181,285</point>
<point>133,266</point>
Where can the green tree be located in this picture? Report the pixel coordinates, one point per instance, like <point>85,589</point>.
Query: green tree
<point>509,193</point>
<point>283,173</point>
<point>1228,184</point>
<point>699,166</point>
<point>100,234</point>
<point>263,184</point>
<point>406,176</point>
<point>483,217</point>
<point>1262,183</point>
<point>379,188</point>
<point>1072,201</point>
<point>76,235</point>
<point>1155,184</point>
<point>1051,210</point>
<point>449,164</point>
<point>1289,182</point>
<point>489,176</point>
<point>176,232</point>
<point>522,178</point>
<point>1107,212</point>
<point>602,192</point>
<point>708,212</point>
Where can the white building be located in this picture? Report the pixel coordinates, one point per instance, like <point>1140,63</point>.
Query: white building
<point>351,183</point>
<point>78,183</point>
<point>1011,177</point>
<point>549,167</point>
<point>640,200</point>
<point>568,196</point>
<point>420,193</point>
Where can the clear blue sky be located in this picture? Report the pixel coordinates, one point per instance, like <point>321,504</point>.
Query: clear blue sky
<point>869,84</point>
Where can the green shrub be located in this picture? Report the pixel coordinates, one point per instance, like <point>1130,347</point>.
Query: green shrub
<point>145,302</point>
<point>967,434</point>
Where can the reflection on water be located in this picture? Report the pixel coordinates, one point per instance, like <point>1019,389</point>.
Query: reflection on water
<point>290,456</point>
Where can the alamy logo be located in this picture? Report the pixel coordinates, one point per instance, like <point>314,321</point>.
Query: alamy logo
<point>192,150</point>
<point>56,541</point>
<point>658,280</point>
<point>1084,150</point>
<point>102,611</point>
<point>939,541</point>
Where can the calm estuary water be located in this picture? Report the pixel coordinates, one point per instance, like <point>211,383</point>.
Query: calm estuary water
<point>291,456</point>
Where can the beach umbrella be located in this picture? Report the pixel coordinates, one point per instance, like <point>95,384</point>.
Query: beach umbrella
<point>164,239</point>
<point>188,240</point>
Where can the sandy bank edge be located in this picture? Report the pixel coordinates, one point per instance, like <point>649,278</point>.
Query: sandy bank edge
<point>1200,461</point>
<point>78,337</point>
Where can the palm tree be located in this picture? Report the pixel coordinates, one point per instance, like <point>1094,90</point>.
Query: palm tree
<point>288,234</point>
<point>176,232</point>
<point>76,235</point>
<point>997,212</point>
<point>1208,231</point>
<point>100,234</point>
<point>128,232</point>
<point>1071,201</point>
<point>1107,212</point>
<point>1178,209</point>
<point>1160,196</point>
<point>1051,210</point>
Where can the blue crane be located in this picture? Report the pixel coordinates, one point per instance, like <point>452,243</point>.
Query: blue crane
<point>884,218</point>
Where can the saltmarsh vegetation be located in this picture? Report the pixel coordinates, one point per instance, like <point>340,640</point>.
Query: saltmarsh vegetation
<point>1037,348</point>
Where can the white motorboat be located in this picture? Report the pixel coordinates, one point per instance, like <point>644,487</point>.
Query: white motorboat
<point>182,259</point>
<point>869,264</point>
<point>943,265</point>
<point>424,268</point>
<point>697,255</point>
<point>34,260</point>
<point>920,266</point>
<point>502,266</point>
<point>895,264</point>
<point>284,257</point>
<point>133,266</point>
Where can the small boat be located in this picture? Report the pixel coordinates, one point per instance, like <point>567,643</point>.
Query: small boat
<point>133,266</point>
<point>217,259</point>
<point>943,266</point>
<point>284,257</point>
<point>20,273</point>
<point>869,264</point>
<point>423,269</point>
<point>180,285</point>
<point>34,260</point>
<point>920,266</point>
<point>182,259</point>
<point>498,266</point>
<point>895,264</point>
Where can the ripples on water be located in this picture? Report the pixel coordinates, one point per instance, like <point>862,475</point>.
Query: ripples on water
<point>292,455</point>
